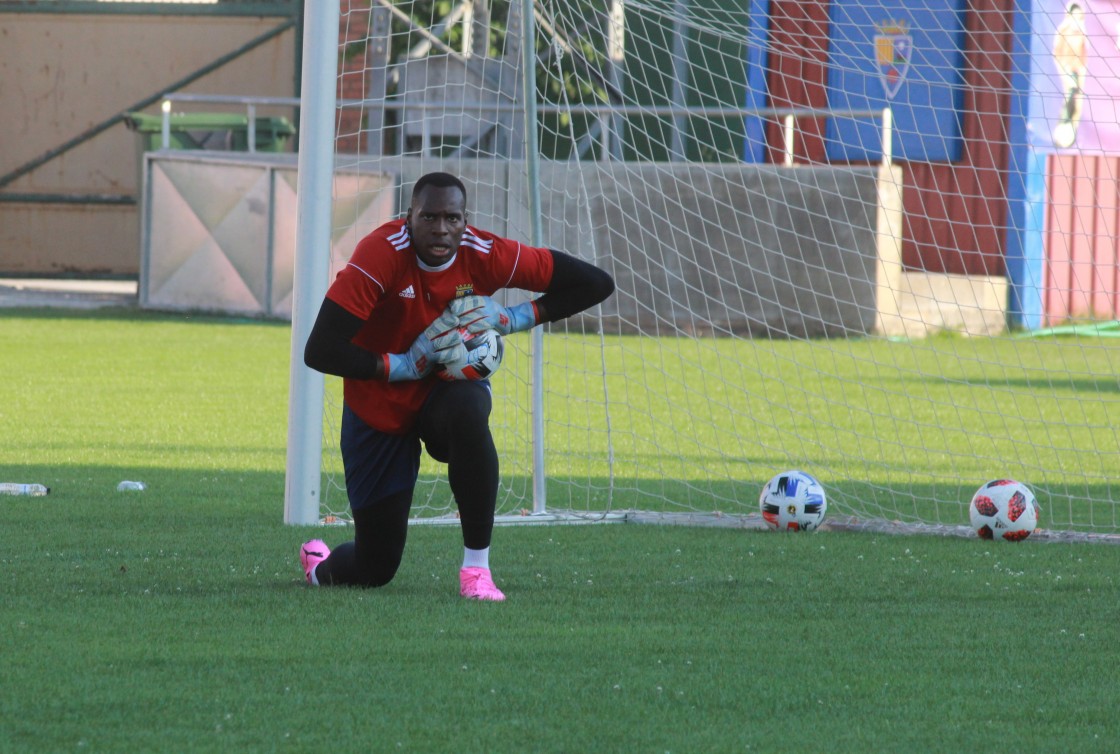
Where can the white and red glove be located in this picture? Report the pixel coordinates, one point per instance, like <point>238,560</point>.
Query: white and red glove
<point>440,343</point>
<point>478,313</point>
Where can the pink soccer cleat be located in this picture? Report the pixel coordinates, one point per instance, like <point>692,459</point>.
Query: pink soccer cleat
<point>311,554</point>
<point>476,584</point>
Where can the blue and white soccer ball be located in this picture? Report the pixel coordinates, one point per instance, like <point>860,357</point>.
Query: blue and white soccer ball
<point>793,501</point>
<point>484,352</point>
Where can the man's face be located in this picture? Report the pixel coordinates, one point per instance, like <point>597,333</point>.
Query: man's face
<point>436,221</point>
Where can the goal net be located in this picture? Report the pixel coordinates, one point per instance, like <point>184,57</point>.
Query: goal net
<point>874,241</point>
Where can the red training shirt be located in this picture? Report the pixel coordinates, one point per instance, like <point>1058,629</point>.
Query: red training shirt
<point>398,296</point>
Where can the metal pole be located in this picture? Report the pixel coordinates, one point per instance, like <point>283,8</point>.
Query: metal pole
<point>681,73</point>
<point>165,124</point>
<point>888,126</point>
<point>314,187</point>
<point>616,54</point>
<point>251,136</point>
<point>787,139</point>
<point>533,170</point>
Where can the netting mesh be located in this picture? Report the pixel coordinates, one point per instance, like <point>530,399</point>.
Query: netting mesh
<point>847,237</point>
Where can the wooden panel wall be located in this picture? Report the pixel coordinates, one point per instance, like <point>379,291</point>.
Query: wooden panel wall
<point>1082,272</point>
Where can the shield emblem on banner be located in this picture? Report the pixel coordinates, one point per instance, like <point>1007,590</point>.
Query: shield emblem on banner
<point>892,54</point>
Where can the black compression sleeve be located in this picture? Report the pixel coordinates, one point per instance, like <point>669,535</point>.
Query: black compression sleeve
<point>329,348</point>
<point>575,286</point>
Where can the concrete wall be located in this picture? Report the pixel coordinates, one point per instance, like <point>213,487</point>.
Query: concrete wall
<point>61,74</point>
<point>701,249</point>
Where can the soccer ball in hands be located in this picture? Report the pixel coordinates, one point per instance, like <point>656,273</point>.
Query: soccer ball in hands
<point>1003,509</point>
<point>793,501</point>
<point>483,357</point>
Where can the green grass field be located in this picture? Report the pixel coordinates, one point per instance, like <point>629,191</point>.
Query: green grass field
<point>176,619</point>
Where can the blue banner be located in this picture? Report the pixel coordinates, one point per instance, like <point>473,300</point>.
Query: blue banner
<point>903,55</point>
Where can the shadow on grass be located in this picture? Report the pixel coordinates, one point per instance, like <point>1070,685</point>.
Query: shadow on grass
<point>84,502</point>
<point>125,314</point>
<point>1073,385</point>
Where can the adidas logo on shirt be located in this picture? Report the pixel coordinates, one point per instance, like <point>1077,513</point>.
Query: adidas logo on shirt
<point>408,293</point>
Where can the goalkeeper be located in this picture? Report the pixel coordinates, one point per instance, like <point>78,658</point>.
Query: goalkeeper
<point>390,316</point>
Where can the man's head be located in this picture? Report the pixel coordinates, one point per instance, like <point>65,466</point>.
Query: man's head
<point>437,217</point>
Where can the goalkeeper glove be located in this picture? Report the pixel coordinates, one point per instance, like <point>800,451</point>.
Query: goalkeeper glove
<point>478,313</point>
<point>440,343</point>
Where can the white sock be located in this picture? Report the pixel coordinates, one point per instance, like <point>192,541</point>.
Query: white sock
<point>476,558</point>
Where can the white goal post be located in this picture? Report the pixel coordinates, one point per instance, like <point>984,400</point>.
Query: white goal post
<point>314,189</point>
<point>874,241</point>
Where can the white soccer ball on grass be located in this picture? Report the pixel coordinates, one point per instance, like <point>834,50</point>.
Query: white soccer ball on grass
<point>793,501</point>
<point>1003,509</point>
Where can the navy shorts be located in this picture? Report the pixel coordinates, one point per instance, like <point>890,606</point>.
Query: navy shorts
<point>377,464</point>
<point>380,465</point>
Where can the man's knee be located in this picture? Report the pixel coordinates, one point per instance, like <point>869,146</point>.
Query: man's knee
<point>379,574</point>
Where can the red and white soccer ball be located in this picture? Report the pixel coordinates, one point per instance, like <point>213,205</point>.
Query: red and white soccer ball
<point>483,357</point>
<point>1003,509</point>
<point>793,501</point>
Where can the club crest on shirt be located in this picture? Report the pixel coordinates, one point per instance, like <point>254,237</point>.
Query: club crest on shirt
<point>464,289</point>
